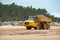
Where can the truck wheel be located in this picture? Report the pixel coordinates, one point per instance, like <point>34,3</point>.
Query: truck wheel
<point>48,26</point>
<point>28,28</point>
<point>35,28</point>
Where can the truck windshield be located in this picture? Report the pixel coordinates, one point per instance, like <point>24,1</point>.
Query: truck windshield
<point>32,18</point>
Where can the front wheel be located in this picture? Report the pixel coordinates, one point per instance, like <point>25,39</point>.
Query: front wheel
<point>28,28</point>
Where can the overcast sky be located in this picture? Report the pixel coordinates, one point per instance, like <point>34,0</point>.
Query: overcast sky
<point>52,6</point>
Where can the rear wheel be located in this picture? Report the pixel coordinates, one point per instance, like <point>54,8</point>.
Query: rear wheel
<point>48,26</point>
<point>42,26</point>
<point>35,28</point>
<point>28,28</point>
<point>39,28</point>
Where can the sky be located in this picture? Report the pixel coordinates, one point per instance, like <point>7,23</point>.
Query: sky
<point>52,6</point>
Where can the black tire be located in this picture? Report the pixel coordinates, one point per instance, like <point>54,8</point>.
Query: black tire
<point>41,25</point>
<point>48,27</point>
<point>35,28</point>
<point>28,28</point>
<point>39,28</point>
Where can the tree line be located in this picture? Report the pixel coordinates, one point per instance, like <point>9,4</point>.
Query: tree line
<point>13,12</point>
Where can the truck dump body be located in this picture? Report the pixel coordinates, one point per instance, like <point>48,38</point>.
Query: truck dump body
<point>43,18</point>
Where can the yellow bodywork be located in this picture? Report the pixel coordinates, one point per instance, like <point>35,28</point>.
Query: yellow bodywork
<point>36,23</point>
<point>31,23</point>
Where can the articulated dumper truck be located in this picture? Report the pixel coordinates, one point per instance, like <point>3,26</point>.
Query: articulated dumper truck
<point>37,22</point>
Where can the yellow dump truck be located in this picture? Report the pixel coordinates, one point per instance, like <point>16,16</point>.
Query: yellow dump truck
<point>37,22</point>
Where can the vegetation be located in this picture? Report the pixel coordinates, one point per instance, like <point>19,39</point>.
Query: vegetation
<point>14,12</point>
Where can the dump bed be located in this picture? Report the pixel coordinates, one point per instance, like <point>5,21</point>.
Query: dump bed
<point>43,18</point>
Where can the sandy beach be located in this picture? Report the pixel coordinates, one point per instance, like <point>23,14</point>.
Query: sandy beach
<point>20,33</point>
